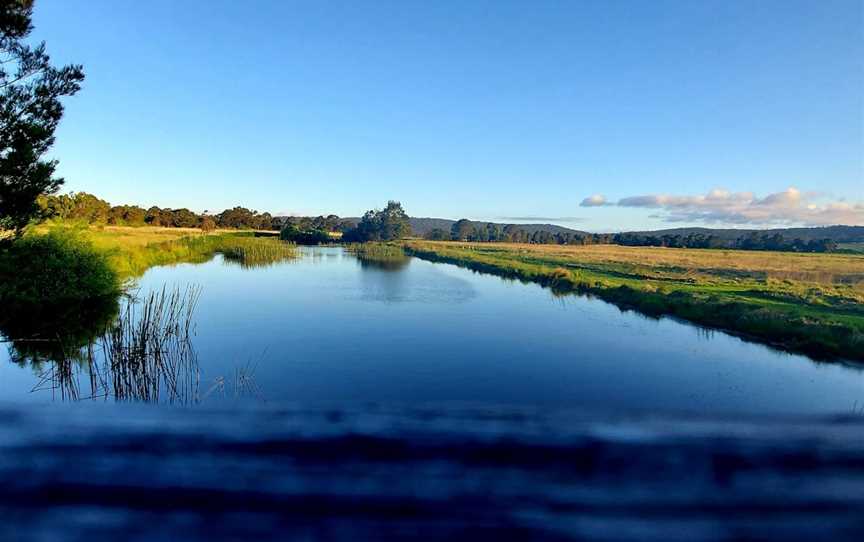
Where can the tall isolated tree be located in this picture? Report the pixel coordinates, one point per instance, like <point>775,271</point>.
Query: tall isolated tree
<point>388,224</point>
<point>461,230</point>
<point>394,222</point>
<point>30,110</point>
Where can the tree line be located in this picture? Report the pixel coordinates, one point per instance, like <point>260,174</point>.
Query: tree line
<point>466,230</point>
<point>490,232</point>
<point>88,208</point>
<point>329,223</point>
<point>386,224</point>
<point>750,241</point>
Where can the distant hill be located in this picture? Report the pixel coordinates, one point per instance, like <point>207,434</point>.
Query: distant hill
<point>839,234</point>
<point>420,226</point>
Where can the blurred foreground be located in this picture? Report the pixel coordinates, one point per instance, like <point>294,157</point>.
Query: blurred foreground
<point>465,472</point>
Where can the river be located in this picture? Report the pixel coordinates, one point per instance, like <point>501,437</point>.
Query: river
<point>330,328</point>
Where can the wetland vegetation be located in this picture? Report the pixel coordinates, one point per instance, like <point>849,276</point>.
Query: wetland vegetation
<point>142,352</point>
<point>384,255</point>
<point>131,251</point>
<point>61,287</point>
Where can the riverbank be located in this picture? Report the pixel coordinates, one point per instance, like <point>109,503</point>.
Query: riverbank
<point>807,303</point>
<point>133,250</point>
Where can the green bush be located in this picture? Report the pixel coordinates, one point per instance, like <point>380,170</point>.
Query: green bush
<point>59,267</point>
<point>304,237</point>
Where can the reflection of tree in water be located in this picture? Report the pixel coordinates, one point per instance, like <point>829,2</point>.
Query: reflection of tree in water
<point>384,265</point>
<point>385,257</point>
<point>42,333</point>
<point>142,352</point>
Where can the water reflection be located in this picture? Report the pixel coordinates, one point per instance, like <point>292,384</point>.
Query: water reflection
<point>142,351</point>
<point>37,334</point>
<point>391,264</point>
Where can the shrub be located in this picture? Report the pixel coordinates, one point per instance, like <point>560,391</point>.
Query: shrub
<point>60,267</point>
<point>304,237</point>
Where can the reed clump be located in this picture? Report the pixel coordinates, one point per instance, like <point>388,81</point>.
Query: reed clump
<point>385,256</point>
<point>132,260</point>
<point>148,351</point>
<point>145,354</point>
<point>381,251</point>
<point>252,252</point>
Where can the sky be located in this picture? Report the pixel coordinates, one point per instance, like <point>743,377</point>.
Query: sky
<point>602,116</point>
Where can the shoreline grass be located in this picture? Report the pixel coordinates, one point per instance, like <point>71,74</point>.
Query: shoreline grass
<point>131,251</point>
<point>803,303</point>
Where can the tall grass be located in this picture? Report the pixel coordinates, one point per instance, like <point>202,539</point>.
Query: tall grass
<point>132,251</point>
<point>148,351</point>
<point>254,252</point>
<point>132,259</point>
<point>386,256</point>
<point>380,251</point>
<point>146,354</point>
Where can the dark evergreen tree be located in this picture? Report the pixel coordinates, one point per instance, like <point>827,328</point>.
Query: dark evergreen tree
<point>389,224</point>
<point>461,230</point>
<point>30,110</point>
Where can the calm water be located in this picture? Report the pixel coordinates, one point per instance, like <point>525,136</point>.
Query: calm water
<point>329,328</point>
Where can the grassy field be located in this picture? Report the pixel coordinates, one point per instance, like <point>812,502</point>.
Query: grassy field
<point>811,303</point>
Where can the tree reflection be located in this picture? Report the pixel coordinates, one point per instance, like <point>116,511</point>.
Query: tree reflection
<point>380,256</point>
<point>129,349</point>
<point>389,264</point>
<point>42,333</point>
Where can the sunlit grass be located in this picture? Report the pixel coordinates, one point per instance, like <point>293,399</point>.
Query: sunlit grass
<point>379,251</point>
<point>131,251</point>
<point>252,252</point>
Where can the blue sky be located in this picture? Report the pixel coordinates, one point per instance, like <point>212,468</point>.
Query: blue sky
<point>708,111</point>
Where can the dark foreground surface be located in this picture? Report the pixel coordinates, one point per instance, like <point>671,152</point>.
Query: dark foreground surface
<point>462,473</point>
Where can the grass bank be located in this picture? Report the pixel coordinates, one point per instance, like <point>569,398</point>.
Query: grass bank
<point>132,251</point>
<point>807,303</point>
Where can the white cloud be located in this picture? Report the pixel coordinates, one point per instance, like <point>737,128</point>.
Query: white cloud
<point>789,207</point>
<point>597,200</point>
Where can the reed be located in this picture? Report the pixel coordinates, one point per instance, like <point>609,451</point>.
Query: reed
<point>148,351</point>
<point>380,251</point>
<point>383,256</point>
<point>256,252</point>
<point>132,260</point>
<point>146,355</point>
